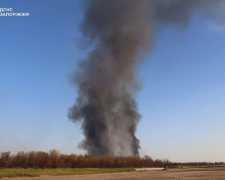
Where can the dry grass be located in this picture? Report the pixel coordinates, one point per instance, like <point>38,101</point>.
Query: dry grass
<point>19,172</point>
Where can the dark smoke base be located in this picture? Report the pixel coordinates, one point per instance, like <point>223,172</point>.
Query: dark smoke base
<point>121,32</point>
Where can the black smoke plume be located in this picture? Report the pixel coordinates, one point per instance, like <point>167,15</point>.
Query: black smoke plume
<point>120,33</point>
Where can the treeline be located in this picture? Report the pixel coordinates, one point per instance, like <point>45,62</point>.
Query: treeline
<point>54,159</point>
<point>198,164</point>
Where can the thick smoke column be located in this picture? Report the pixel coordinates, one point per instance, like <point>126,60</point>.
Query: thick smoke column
<point>120,33</point>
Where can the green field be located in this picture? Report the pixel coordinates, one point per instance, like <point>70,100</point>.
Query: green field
<point>18,172</point>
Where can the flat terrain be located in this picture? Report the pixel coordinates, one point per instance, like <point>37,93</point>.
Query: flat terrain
<point>217,173</point>
<point>30,172</point>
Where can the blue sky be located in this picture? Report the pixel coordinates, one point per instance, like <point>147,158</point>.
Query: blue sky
<point>182,99</point>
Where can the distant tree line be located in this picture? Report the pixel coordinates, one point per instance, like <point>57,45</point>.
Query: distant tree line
<point>54,159</point>
<point>198,164</point>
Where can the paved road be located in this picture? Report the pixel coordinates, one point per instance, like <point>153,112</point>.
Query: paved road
<point>177,174</point>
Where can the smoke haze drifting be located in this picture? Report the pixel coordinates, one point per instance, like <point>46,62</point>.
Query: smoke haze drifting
<point>121,34</point>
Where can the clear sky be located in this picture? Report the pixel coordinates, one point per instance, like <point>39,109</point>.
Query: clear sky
<point>182,99</point>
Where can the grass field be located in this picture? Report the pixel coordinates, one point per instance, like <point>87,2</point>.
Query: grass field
<point>18,172</point>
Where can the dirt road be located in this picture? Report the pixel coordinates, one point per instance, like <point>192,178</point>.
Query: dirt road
<point>217,173</point>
